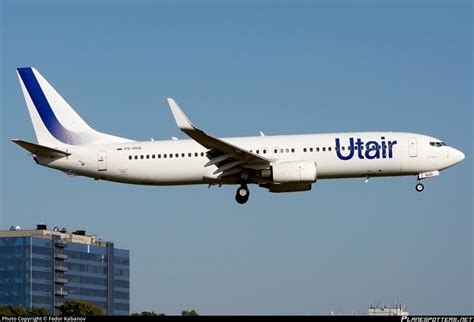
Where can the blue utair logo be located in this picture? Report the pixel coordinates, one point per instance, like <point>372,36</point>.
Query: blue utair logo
<point>373,149</point>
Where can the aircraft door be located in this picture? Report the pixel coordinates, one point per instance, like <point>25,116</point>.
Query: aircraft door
<point>102,161</point>
<point>412,147</point>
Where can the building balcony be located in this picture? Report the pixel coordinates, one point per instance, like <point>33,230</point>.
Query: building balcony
<point>58,303</point>
<point>60,280</point>
<point>60,268</point>
<point>60,256</point>
<point>60,291</point>
<point>60,243</point>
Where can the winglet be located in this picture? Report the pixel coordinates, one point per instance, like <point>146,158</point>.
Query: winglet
<point>181,119</point>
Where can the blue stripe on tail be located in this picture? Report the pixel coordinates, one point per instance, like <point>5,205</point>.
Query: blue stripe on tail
<point>45,111</point>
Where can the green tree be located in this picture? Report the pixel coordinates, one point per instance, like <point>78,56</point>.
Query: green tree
<point>189,313</point>
<point>17,311</point>
<point>5,311</point>
<point>80,308</point>
<point>38,311</point>
<point>148,313</point>
<point>21,311</point>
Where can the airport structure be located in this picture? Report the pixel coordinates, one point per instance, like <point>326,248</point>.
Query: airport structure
<point>44,268</point>
<point>396,310</point>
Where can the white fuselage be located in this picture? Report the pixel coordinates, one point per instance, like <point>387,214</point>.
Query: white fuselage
<point>180,162</point>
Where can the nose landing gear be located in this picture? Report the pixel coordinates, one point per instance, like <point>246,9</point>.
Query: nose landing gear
<point>242,195</point>
<point>424,175</point>
<point>419,186</point>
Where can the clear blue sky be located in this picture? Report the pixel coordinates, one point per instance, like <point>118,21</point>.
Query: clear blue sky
<point>237,68</point>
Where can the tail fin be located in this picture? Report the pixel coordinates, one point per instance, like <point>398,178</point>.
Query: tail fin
<point>54,121</point>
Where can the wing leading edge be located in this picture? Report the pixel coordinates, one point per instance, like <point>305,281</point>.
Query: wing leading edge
<point>229,158</point>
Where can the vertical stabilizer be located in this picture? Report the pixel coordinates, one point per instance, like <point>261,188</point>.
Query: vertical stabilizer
<point>54,121</point>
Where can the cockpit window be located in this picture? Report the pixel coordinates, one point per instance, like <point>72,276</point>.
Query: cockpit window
<point>438,144</point>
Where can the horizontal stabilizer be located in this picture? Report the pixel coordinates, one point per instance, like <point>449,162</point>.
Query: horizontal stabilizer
<point>41,150</point>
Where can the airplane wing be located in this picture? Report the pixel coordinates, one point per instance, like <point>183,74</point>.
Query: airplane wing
<point>230,159</point>
<point>41,150</point>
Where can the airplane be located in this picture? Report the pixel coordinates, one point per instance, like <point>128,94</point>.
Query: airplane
<point>283,163</point>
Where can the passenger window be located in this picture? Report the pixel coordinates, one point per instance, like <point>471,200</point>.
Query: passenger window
<point>258,151</point>
<point>182,155</point>
<point>152,156</point>
<point>189,154</point>
<point>264,151</point>
<point>147,156</point>
<point>282,150</point>
<point>275,151</point>
<point>130,157</point>
<point>195,154</point>
<point>141,157</point>
<point>292,150</point>
<point>343,148</point>
<point>304,149</point>
<point>202,154</point>
<point>171,155</point>
<point>136,157</point>
<point>159,156</point>
<point>317,149</point>
<point>310,149</point>
<point>329,149</point>
<point>165,155</point>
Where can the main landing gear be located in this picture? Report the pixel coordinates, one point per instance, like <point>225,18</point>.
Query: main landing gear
<point>242,194</point>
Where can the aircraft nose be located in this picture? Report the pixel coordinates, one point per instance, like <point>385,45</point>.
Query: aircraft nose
<point>458,156</point>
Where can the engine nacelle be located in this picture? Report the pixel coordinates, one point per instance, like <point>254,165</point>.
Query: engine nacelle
<point>294,172</point>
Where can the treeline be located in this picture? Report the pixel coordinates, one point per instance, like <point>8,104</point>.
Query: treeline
<point>69,308</point>
<point>76,308</point>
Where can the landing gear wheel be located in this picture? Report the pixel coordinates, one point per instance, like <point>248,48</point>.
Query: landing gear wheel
<point>420,187</point>
<point>242,195</point>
